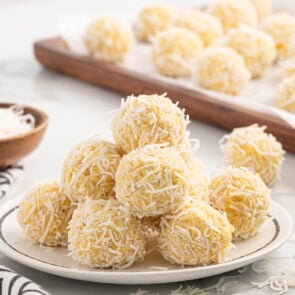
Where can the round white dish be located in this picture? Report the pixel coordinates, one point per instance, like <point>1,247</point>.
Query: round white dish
<point>154,269</point>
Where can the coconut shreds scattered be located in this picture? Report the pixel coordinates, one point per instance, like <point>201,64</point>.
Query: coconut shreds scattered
<point>261,266</point>
<point>14,122</point>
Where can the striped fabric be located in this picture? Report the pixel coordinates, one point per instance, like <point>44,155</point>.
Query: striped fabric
<point>12,283</point>
<point>7,178</point>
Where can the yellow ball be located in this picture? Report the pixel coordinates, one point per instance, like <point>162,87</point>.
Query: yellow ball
<point>281,27</point>
<point>253,148</point>
<point>244,198</point>
<point>223,70</point>
<point>286,95</point>
<point>233,13</point>
<point>205,26</point>
<point>174,51</point>
<point>102,234</point>
<point>108,39</point>
<point>151,180</point>
<point>263,8</point>
<point>89,170</point>
<point>148,119</point>
<point>195,234</point>
<point>152,20</point>
<point>257,48</point>
<point>44,213</point>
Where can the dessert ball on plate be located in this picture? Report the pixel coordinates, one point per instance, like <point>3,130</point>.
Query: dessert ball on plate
<point>244,198</point>
<point>108,39</point>
<point>281,27</point>
<point>44,213</point>
<point>148,119</point>
<point>205,26</point>
<point>222,69</point>
<point>289,67</point>
<point>89,170</point>
<point>286,95</point>
<point>233,13</point>
<point>195,233</point>
<point>263,8</point>
<point>102,234</point>
<point>174,51</point>
<point>152,20</point>
<point>257,48</point>
<point>151,180</point>
<point>253,148</point>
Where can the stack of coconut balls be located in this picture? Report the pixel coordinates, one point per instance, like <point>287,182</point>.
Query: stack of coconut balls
<point>112,197</point>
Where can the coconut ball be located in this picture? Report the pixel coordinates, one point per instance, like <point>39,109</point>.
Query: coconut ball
<point>253,148</point>
<point>89,170</point>
<point>151,180</point>
<point>205,26</point>
<point>244,198</point>
<point>148,119</point>
<point>195,233</point>
<point>108,39</point>
<point>102,234</point>
<point>174,50</point>
<point>281,27</point>
<point>233,13</point>
<point>263,8</point>
<point>289,67</point>
<point>44,213</point>
<point>257,48</point>
<point>222,69</point>
<point>154,19</point>
<point>286,95</point>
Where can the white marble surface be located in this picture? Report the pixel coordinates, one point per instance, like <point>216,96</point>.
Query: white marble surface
<point>78,110</point>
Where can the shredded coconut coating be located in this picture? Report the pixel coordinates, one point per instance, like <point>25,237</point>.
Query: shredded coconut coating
<point>281,27</point>
<point>286,95</point>
<point>205,26</point>
<point>244,198</point>
<point>233,13</point>
<point>263,8</point>
<point>253,148</point>
<point>108,39</point>
<point>195,234</point>
<point>148,119</point>
<point>44,213</point>
<point>222,69</point>
<point>102,234</point>
<point>174,51</point>
<point>89,170</point>
<point>257,48</point>
<point>289,67</point>
<point>154,19</point>
<point>151,180</point>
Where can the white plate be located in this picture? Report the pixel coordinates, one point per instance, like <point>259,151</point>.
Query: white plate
<point>274,232</point>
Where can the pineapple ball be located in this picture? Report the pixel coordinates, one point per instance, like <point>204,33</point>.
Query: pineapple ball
<point>257,48</point>
<point>289,67</point>
<point>244,198</point>
<point>253,148</point>
<point>263,8</point>
<point>206,26</point>
<point>151,180</point>
<point>152,20</point>
<point>233,13</point>
<point>286,95</point>
<point>148,119</point>
<point>195,233</point>
<point>108,39</point>
<point>281,27</point>
<point>89,170</point>
<point>102,234</point>
<point>222,69</point>
<point>174,50</point>
<point>44,213</point>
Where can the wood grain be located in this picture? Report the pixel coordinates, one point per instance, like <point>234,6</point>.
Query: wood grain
<point>53,54</point>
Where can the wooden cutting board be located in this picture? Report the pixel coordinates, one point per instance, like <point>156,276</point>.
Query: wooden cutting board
<point>54,54</point>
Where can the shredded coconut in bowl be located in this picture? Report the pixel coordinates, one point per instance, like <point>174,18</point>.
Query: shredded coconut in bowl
<point>13,121</point>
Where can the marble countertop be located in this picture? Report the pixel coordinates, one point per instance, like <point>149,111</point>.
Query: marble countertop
<point>78,110</point>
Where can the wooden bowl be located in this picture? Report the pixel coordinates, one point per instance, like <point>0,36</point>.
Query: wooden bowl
<point>16,148</point>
